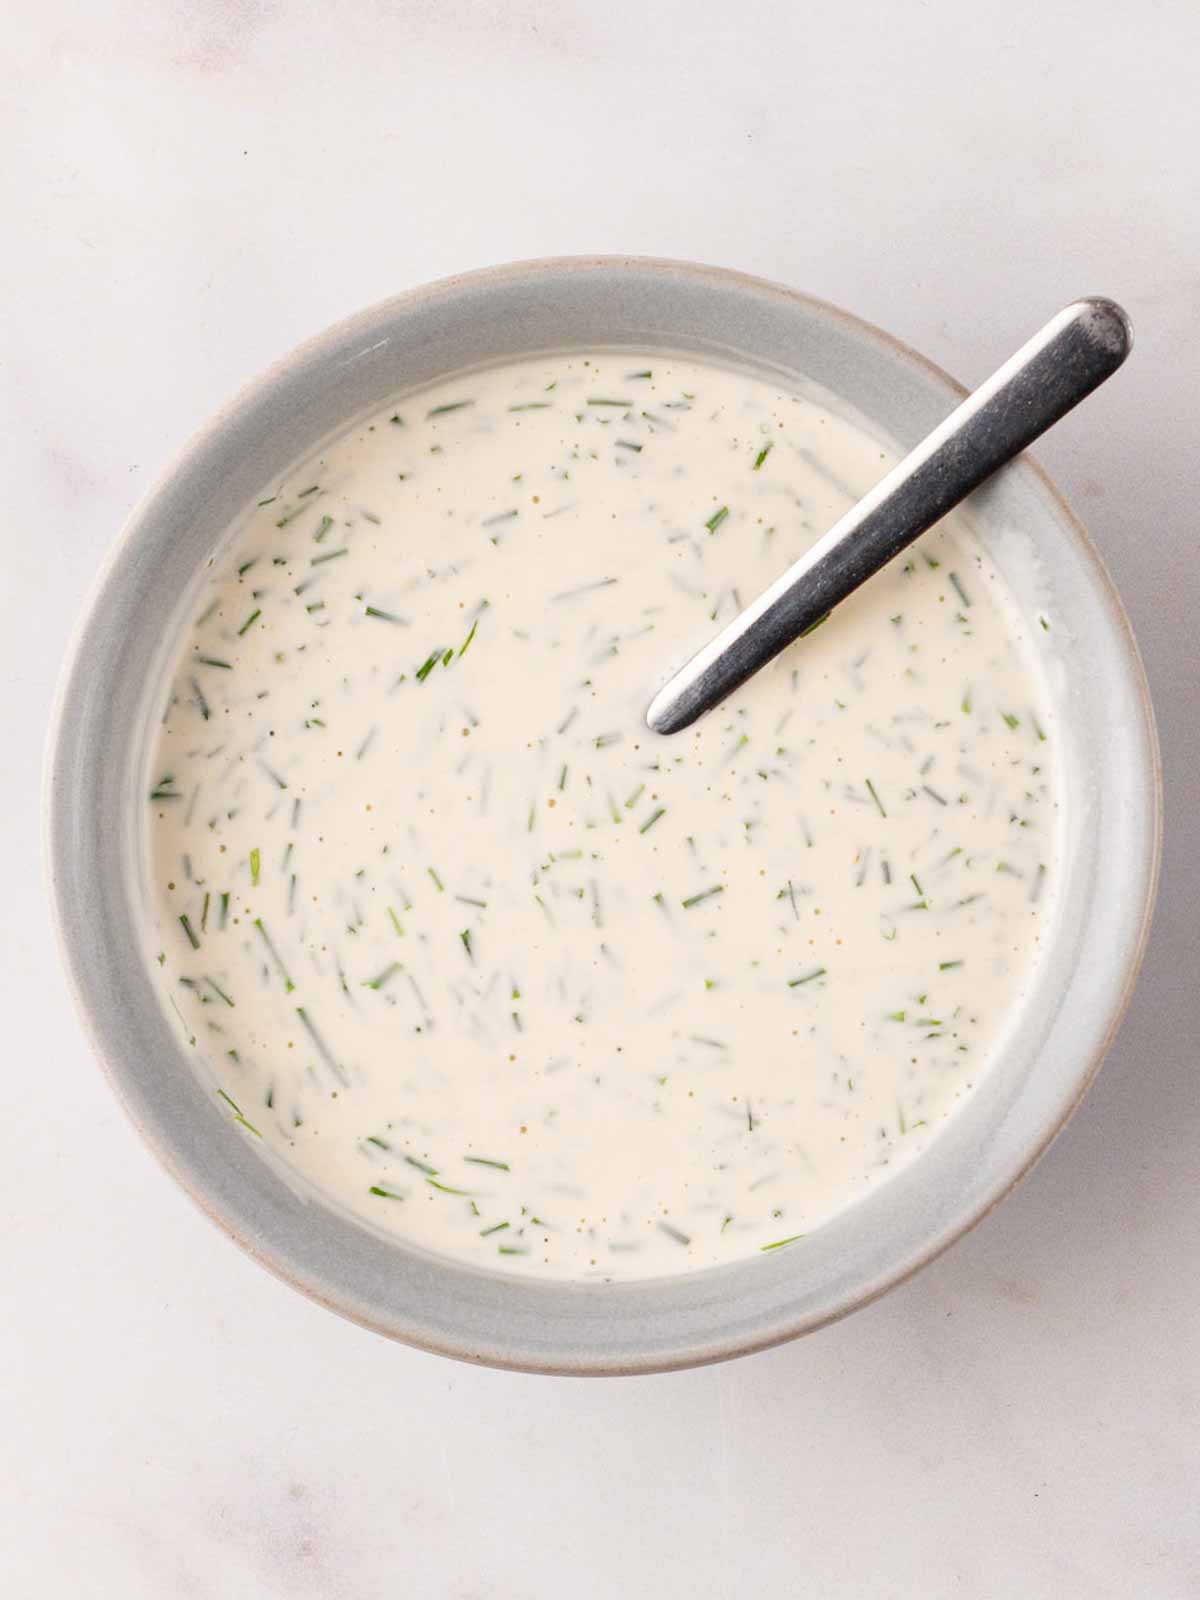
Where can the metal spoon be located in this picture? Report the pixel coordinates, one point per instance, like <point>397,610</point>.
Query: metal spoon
<point>1060,366</point>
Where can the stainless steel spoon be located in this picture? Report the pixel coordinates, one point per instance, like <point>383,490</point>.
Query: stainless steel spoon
<point>1060,366</point>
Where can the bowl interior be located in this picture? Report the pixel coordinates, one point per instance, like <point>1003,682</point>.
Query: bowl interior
<point>1082,983</point>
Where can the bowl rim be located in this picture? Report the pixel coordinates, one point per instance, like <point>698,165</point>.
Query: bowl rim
<point>54,807</point>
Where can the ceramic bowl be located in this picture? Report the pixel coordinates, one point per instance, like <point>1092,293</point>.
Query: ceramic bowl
<point>1081,989</point>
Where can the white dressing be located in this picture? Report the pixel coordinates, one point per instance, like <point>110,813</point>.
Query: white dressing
<point>502,972</point>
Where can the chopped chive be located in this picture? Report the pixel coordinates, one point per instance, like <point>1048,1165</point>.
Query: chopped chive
<point>237,1114</point>
<point>290,516</point>
<point>422,1166</point>
<point>323,528</point>
<point>603,402</point>
<point>465,645</point>
<point>482,1161</point>
<point>652,819</point>
<point>705,894</point>
<point>674,1233</point>
<point>445,1187</point>
<point>532,405</point>
<point>321,1047</point>
<point>386,616</point>
<point>384,1194</point>
<point>190,931</point>
<point>717,518</point>
<point>934,795</point>
<point>274,954</point>
<point>212,661</point>
<point>328,555</point>
<point>583,588</point>
<point>465,936</point>
<point>219,992</point>
<point>439,885</point>
<point>255,864</point>
<point>381,978</point>
<point>249,622</point>
<point>763,454</point>
<point>948,966</point>
<point>453,405</point>
<point>779,1243</point>
<point>808,977</point>
<point>1013,722</point>
<point>875,797</point>
<point>497,1227</point>
<point>429,663</point>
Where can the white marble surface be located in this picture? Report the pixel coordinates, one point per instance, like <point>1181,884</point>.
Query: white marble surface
<point>191,186</point>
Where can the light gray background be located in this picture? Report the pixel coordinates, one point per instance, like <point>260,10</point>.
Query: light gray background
<point>191,186</point>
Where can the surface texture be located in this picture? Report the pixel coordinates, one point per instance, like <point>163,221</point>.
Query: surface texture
<point>191,191</point>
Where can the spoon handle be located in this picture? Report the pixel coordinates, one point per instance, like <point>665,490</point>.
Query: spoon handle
<point>1060,366</point>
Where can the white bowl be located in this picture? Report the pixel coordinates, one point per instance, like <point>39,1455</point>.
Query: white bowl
<point>1082,986</point>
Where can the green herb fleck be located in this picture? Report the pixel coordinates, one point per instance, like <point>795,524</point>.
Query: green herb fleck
<point>274,954</point>
<point>237,1114</point>
<point>705,894</point>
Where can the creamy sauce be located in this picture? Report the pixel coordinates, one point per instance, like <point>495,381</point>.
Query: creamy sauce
<point>502,972</point>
